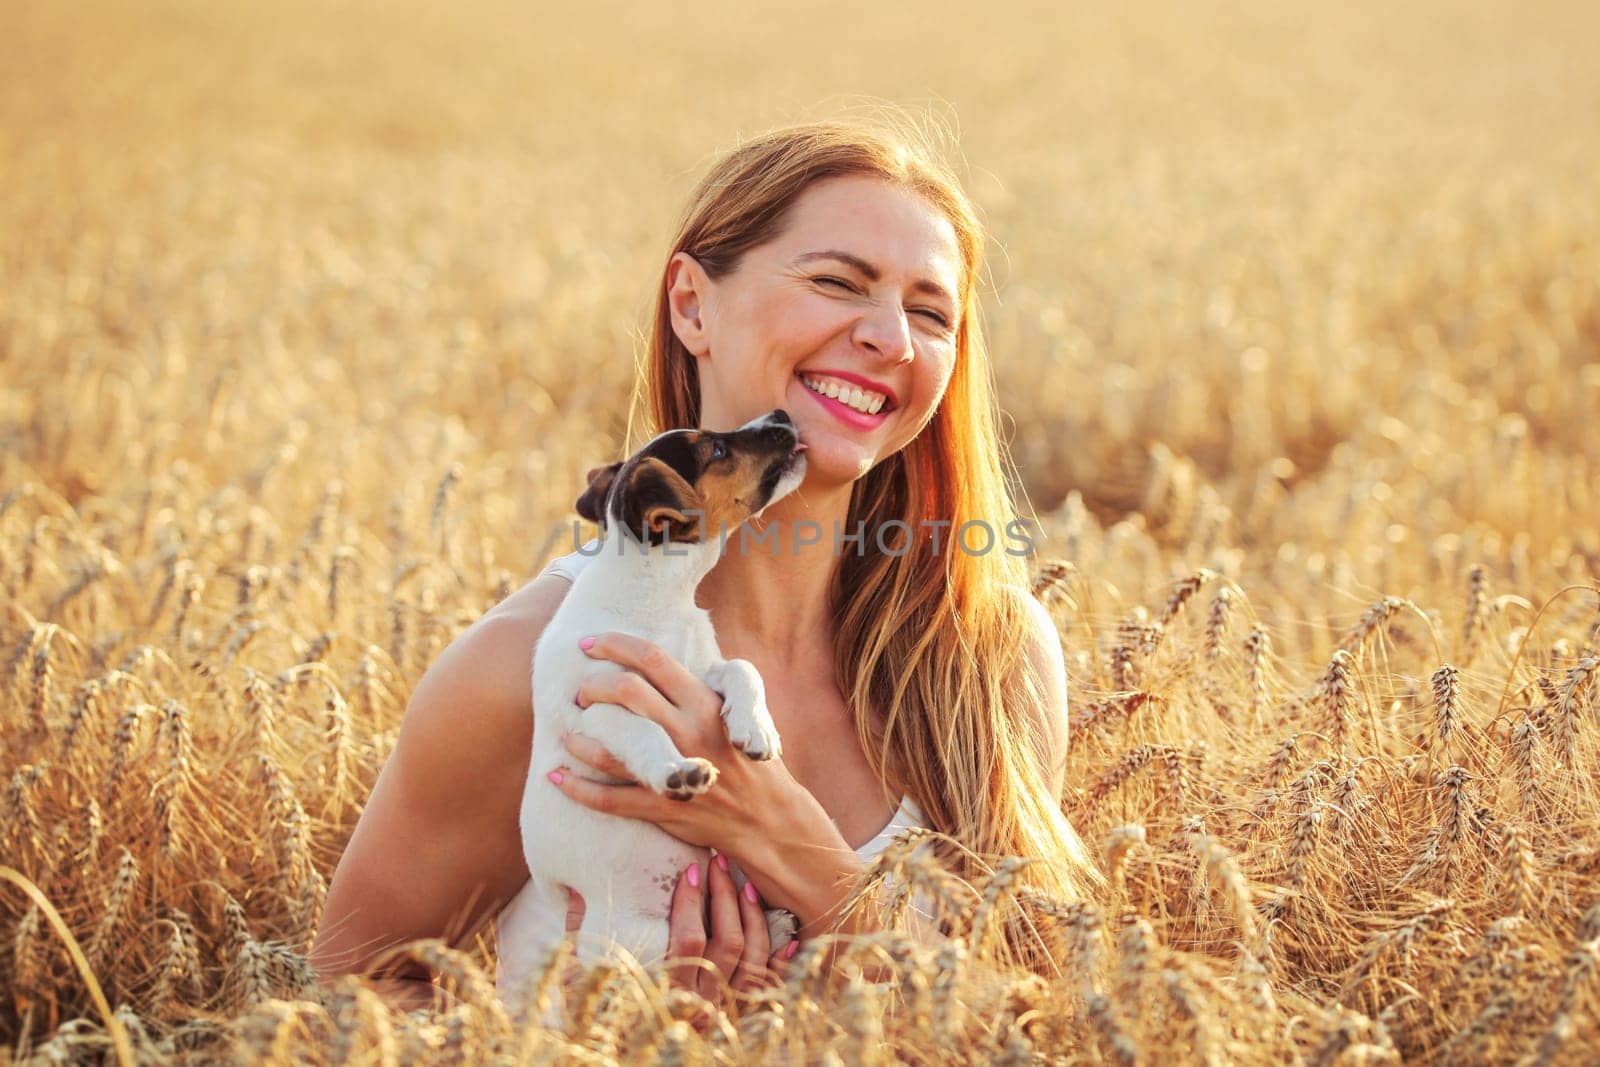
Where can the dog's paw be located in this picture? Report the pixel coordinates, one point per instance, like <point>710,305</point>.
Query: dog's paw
<point>754,734</point>
<point>744,709</point>
<point>688,778</point>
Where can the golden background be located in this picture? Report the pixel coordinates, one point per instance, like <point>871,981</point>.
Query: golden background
<point>313,315</point>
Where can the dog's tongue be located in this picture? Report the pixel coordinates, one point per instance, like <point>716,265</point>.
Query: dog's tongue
<point>801,447</point>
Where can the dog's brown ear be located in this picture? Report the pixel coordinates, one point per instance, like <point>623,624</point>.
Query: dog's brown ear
<point>658,505</point>
<point>592,504</point>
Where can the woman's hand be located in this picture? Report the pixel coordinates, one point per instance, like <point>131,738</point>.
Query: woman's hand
<point>733,947</point>
<point>752,803</point>
<point>756,813</point>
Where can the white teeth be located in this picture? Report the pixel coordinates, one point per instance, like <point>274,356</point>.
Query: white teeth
<point>852,396</point>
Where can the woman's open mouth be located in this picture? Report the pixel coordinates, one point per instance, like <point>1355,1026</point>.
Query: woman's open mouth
<point>851,404</point>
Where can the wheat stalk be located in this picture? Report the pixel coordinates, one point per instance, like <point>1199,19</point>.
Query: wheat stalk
<point>1447,702</point>
<point>1375,620</point>
<point>123,740</point>
<point>22,828</point>
<point>1217,623</point>
<point>180,965</point>
<point>1136,942</point>
<point>1441,846</point>
<point>1129,764</point>
<point>27,951</point>
<point>115,908</point>
<point>1498,1007</point>
<point>1399,939</point>
<point>1568,705</point>
<point>1257,646</point>
<point>1181,594</point>
<point>176,780</point>
<point>1476,617</point>
<point>1050,582</point>
<point>1337,690</point>
<point>1307,822</point>
<point>1579,968</point>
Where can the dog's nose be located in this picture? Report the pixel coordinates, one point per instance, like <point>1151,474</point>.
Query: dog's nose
<point>781,416</point>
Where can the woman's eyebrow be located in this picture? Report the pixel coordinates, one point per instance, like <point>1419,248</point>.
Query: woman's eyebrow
<point>921,285</point>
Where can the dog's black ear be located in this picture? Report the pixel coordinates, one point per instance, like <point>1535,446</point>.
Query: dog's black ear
<point>655,504</point>
<point>592,504</point>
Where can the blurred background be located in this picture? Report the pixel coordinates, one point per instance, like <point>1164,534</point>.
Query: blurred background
<point>1232,245</point>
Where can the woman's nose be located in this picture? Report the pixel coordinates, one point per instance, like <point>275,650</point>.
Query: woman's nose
<point>884,329</point>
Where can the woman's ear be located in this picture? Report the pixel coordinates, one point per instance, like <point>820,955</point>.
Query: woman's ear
<point>592,504</point>
<point>688,287</point>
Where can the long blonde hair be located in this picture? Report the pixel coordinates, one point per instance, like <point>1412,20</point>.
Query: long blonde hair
<point>931,648</point>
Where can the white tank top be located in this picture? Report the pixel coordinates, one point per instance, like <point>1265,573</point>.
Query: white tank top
<point>526,929</point>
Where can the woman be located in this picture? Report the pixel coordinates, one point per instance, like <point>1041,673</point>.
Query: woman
<point>900,665</point>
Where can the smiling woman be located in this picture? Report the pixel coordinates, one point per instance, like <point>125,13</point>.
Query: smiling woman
<point>847,258</point>
<point>829,270</point>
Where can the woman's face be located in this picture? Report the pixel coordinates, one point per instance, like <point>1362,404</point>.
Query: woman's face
<point>856,297</point>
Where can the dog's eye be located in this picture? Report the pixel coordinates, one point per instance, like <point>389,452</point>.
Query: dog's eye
<point>719,450</point>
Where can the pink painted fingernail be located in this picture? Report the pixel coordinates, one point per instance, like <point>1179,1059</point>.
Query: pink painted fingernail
<point>789,952</point>
<point>750,892</point>
<point>554,776</point>
<point>722,861</point>
<point>586,644</point>
<point>694,875</point>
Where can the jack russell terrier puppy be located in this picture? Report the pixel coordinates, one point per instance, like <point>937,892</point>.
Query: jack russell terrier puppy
<point>661,512</point>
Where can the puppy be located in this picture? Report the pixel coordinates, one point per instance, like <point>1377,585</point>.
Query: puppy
<point>663,512</point>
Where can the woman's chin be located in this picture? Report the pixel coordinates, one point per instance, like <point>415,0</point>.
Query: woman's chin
<point>827,469</point>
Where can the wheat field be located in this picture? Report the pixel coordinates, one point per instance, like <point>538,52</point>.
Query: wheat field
<point>313,315</point>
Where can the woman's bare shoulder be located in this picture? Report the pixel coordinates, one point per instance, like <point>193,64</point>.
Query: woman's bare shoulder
<point>494,656</point>
<point>477,697</point>
<point>1044,649</point>
<point>525,613</point>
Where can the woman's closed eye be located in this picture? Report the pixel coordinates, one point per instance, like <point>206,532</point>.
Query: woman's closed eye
<point>936,316</point>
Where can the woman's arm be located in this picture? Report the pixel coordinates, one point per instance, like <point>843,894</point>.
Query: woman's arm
<point>437,851</point>
<point>776,830</point>
<point>809,869</point>
<point>816,880</point>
